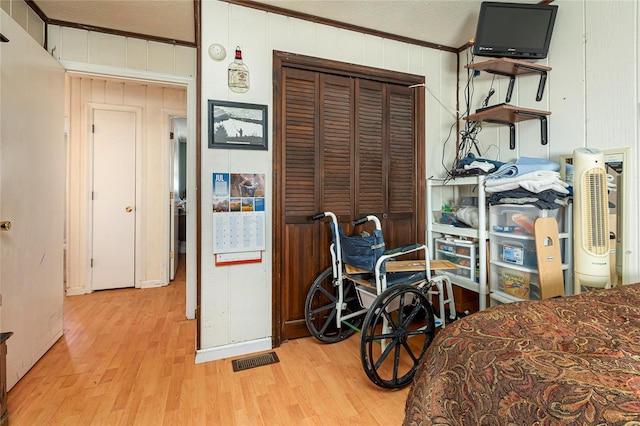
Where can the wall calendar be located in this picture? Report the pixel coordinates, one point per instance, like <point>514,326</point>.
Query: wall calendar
<point>238,212</point>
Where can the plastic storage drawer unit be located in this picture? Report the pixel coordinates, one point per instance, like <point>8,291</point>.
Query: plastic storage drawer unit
<point>517,252</point>
<point>463,253</point>
<point>514,219</point>
<point>516,282</point>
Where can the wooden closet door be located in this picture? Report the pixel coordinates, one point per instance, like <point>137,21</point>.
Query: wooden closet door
<point>317,170</point>
<point>387,173</point>
<point>405,221</point>
<point>344,144</point>
<point>300,244</point>
<point>371,168</point>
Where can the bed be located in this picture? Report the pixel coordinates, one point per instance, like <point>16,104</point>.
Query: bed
<point>564,361</point>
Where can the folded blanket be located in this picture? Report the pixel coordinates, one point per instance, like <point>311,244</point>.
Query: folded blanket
<point>524,165</point>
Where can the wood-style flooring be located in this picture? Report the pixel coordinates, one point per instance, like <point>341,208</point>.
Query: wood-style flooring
<point>127,358</point>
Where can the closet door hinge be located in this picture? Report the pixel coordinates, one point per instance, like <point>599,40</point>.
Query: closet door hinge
<point>92,262</point>
<point>170,135</point>
<point>93,128</point>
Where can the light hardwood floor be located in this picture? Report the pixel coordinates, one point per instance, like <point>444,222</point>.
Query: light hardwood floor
<point>127,358</point>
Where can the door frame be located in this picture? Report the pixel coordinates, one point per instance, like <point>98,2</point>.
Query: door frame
<point>138,209</point>
<point>168,157</point>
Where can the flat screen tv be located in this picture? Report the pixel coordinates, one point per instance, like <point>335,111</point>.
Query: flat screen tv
<point>514,30</point>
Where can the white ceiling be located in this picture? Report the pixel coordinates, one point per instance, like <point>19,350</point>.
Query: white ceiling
<point>168,19</point>
<point>444,22</point>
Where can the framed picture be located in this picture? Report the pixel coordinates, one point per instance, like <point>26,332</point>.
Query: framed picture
<point>234,125</point>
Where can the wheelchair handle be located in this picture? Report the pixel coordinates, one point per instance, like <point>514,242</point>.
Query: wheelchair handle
<point>360,221</point>
<point>318,216</point>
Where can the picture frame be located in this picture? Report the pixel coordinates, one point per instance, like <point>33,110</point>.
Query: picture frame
<point>235,125</point>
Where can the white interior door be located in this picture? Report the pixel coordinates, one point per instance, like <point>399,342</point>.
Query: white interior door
<point>32,194</point>
<point>114,197</point>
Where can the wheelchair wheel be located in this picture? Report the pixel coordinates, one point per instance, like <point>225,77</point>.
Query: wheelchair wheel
<point>320,309</point>
<point>397,330</point>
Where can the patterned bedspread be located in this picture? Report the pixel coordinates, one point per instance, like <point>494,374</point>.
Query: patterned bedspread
<point>567,361</point>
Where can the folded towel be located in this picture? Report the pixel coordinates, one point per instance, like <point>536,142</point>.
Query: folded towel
<point>534,186</point>
<point>524,165</point>
<point>483,165</point>
<point>539,175</point>
<point>536,182</point>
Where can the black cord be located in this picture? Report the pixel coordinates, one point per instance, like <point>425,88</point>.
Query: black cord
<point>468,139</point>
<point>448,170</point>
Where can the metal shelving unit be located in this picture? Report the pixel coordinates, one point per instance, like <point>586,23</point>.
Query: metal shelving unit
<point>479,234</point>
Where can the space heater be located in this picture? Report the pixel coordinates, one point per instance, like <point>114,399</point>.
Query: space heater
<point>590,220</point>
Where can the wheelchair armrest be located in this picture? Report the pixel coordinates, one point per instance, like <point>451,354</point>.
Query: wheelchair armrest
<point>403,249</point>
<point>400,251</point>
<point>395,253</point>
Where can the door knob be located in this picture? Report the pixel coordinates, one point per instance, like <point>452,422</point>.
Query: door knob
<point>128,209</point>
<point>5,225</point>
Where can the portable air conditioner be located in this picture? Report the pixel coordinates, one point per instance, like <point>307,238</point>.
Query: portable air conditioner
<point>590,220</point>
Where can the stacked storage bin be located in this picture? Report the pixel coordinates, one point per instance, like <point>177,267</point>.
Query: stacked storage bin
<point>514,265</point>
<point>463,253</point>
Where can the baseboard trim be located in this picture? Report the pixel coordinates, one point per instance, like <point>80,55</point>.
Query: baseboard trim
<point>76,291</point>
<point>236,349</point>
<point>152,284</point>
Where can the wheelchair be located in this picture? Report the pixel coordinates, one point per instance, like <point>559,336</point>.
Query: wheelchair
<point>369,290</point>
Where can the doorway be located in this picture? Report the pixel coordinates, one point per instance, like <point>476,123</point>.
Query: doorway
<point>178,197</point>
<point>155,103</point>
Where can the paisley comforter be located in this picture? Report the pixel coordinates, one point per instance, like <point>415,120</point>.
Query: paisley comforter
<point>566,361</point>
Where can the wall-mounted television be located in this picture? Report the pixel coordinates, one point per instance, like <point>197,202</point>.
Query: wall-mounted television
<point>514,30</point>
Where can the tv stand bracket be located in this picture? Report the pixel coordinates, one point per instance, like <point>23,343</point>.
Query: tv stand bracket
<point>512,127</point>
<point>543,124</point>
<point>512,131</point>
<point>512,79</point>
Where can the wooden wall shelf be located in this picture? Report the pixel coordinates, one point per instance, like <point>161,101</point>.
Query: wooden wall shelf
<point>509,114</point>
<point>508,66</point>
<point>511,68</point>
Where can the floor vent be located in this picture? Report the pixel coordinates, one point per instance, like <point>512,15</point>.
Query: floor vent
<point>254,361</point>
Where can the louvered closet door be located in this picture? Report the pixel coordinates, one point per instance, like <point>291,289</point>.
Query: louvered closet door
<point>317,177</point>
<point>405,182</point>
<point>338,153</point>
<point>372,166</point>
<point>387,179</point>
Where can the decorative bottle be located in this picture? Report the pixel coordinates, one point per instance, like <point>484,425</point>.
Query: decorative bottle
<point>238,74</point>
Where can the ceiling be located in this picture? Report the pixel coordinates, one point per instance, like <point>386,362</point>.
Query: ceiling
<point>448,23</point>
